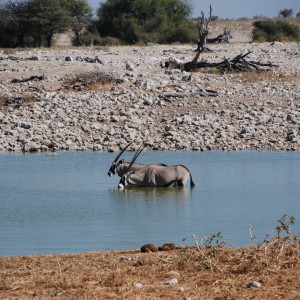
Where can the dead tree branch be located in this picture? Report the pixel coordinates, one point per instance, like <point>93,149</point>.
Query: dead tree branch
<point>201,93</point>
<point>203,30</point>
<point>31,78</point>
<point>238,64</point>
<point>222,38</point>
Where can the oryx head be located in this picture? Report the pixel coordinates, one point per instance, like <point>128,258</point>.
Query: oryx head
<point>114,165</point>
<point>124,179</point>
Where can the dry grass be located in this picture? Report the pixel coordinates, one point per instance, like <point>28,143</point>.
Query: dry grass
<point>2,101</point>
<point>114,275</point>
<point>17,101</point>
<point>96,80</point>
<point>234,25</point>
<point>9,51</point>
<point>265,75</point>
<point>245,24</point>
<point>206,271</point>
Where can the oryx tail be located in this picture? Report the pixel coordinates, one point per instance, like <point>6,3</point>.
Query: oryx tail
<point>192,183</point>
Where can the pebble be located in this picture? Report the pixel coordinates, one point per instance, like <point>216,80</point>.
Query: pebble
<point>149,248</point>
<point>172,281</point>
<point>139,285</point>
<point>254,284</point>
<point>125,258</point>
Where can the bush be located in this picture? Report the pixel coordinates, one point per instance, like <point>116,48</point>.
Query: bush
<point>270,31</point>
<point>134,21</point>
<point>184,32</point>
<point>96,40</point>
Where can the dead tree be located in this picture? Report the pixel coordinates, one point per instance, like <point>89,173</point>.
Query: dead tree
<point>237,64</point>
<point>222,38</point>
<point>203,31</point>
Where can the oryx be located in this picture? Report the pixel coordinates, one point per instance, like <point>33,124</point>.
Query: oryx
<point>121,166</point>
<point>155,175</point>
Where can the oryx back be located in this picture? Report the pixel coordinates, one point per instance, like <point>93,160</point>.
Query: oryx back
<point>159,176</point>
<point>122,167</point>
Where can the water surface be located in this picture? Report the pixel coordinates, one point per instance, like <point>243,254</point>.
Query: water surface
<point>67,203</point>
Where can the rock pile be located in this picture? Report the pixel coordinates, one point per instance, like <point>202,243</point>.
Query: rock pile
<point>254,111</point>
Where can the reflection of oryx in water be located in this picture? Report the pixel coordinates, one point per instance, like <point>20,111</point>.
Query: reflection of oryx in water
<point>136,193</point>
<point>121,166</point>
<point>155,175</point>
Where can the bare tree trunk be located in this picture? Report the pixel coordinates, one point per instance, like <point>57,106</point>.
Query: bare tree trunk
<point>203,30</point>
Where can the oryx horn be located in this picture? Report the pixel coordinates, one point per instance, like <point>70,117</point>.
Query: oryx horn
<point>122,151</point>
<point>138,152</point>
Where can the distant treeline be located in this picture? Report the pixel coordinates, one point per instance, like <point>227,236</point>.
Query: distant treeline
<point>33,23</point>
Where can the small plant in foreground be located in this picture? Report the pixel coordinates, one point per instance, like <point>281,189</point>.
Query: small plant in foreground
<point>212,242</point>
<point>277,251</point>
<point>205,256</point>
<point>284,234</point>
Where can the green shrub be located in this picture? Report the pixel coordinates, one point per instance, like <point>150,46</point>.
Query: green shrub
<point>269,31</point>
<point>133,21</point>
<point>184,32</point>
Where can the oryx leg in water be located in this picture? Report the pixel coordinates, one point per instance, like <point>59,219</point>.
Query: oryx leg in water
<point>156,175</point>
<point>121,166</point>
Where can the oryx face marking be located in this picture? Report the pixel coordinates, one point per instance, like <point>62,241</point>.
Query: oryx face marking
<point>117,167</point>
<point>113,168</point>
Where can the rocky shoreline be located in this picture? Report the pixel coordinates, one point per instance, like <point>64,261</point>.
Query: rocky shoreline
<point>167,108</point>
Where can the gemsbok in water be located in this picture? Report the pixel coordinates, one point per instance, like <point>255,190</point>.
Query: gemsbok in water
<point>155,175</point>
<point>121,166</point>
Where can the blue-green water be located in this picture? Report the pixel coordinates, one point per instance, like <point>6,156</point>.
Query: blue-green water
<point>68,204</point>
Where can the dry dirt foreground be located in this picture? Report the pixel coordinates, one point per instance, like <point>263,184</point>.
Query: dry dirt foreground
<point>178,274</point>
